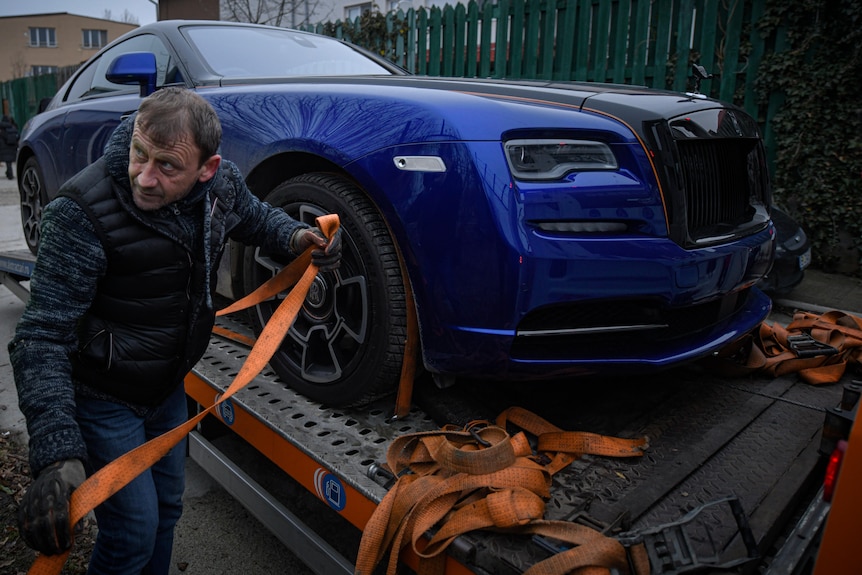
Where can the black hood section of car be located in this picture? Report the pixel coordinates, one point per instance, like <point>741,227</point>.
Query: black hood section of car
<point>636,106</point>
<point>632,105</point>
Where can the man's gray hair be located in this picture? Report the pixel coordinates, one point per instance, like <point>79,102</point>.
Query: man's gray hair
<point>171,114</point>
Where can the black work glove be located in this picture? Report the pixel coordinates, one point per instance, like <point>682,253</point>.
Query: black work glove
<point>43,516</point>
<point>326,259</point>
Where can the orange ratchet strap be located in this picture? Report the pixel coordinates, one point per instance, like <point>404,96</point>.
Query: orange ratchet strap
<point>454,481</point>
<point>107,481</point>
<point>404,397</point>
<point>816,346</point>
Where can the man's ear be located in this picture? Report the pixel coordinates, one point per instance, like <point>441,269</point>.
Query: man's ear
<point>209,168</point>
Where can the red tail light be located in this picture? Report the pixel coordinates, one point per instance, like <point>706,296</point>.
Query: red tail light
<point>832,469</point>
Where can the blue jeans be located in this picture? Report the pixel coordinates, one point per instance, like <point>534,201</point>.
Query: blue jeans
<point>136,525</point>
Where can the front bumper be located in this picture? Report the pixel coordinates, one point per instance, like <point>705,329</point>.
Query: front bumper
<point>614,306</point>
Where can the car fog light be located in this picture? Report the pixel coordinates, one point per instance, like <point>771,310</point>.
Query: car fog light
<point>583,227</point>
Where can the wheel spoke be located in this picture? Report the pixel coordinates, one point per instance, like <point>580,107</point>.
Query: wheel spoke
<point>330,330</point>
<point>270,265</point>
<point>352,317</point>
<point>320,361</point>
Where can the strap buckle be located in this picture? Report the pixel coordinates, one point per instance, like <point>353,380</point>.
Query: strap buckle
<point>380,474</point>
<point>803,345</point>
<point>671,549</point>
<point>473,428</point>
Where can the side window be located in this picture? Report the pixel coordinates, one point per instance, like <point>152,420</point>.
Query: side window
<point>92,81</point>
<point>82,84</point>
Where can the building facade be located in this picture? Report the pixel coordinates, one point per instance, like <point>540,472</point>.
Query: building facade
<point>299,13</point>
<point>332,10</point>
<point>36,44</point>
<point>188,10</point>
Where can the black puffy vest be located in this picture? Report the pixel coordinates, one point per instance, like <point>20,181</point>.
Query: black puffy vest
<point>148,324</point>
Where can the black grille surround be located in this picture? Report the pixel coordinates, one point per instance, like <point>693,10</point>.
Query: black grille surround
<point>716,188</point>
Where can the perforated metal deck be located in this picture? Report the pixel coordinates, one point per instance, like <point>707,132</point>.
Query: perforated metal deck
<point>711,436</point>
<point>347,442</point>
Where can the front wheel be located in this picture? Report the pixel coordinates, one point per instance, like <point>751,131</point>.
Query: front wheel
<point>347,343</point>
<point>33,199</point>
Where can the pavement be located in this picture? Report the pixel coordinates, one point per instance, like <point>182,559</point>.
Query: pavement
<point>820,292</point>
<point>216,534</point>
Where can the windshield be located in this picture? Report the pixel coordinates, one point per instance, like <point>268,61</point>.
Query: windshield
<point>238,52</point>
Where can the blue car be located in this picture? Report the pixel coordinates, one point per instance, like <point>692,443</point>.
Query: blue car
<point>544,229</point>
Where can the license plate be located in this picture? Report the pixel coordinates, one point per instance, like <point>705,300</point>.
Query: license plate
<point>805,259</point>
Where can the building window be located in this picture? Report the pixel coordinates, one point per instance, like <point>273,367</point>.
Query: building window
<point>39,70</point>
<point>405,5</point>
<point>43,37</point>
<point>354,12</point>
<point>94,38</point>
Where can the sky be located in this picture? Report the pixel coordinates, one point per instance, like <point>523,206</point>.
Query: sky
<point>143,10</point>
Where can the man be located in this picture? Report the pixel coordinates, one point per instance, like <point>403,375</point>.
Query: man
<point>8,143</point>
<point>120,310</point>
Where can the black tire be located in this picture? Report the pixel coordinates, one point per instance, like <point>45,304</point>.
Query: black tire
<point>31,187</point>
<point>347,343</point>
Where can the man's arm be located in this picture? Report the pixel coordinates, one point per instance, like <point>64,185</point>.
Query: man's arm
<point>259,223</point>
<point>62,287</point>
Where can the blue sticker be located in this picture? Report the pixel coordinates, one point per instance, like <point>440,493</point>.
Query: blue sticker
<point>330,489</point>
<point>225,410</point>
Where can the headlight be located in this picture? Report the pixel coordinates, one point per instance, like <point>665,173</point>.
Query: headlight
<point>553,159</point>
<point>797,241</point>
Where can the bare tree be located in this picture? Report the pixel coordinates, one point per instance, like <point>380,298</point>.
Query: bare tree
<point>19,65</point>
<point>129,18</point>
<point>290,13</point>
<point>126,18</point>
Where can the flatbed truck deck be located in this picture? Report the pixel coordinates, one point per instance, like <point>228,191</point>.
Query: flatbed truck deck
<point>754,439</point>
<point>712,437</point>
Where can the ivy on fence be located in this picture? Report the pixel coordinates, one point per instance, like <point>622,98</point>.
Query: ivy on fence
<point>812,78</point>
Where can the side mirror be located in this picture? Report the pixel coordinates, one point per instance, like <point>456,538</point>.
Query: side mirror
<point>43,104</point>
<point>134,68</point>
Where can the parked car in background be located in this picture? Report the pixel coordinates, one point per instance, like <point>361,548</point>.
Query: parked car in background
<point>546,229</point>
<point>792,255</point>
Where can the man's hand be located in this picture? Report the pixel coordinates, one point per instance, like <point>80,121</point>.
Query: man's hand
<point>43,517</point>
<point>326,259</point>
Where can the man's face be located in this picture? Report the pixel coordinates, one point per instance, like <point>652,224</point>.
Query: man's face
<point>162,175</point>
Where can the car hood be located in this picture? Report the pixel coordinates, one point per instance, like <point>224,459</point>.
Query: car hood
<point>635,106</point>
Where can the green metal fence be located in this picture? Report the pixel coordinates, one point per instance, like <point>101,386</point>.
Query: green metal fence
<point>648,42</point>
<point>21,97</point>
<point>643,42</point>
